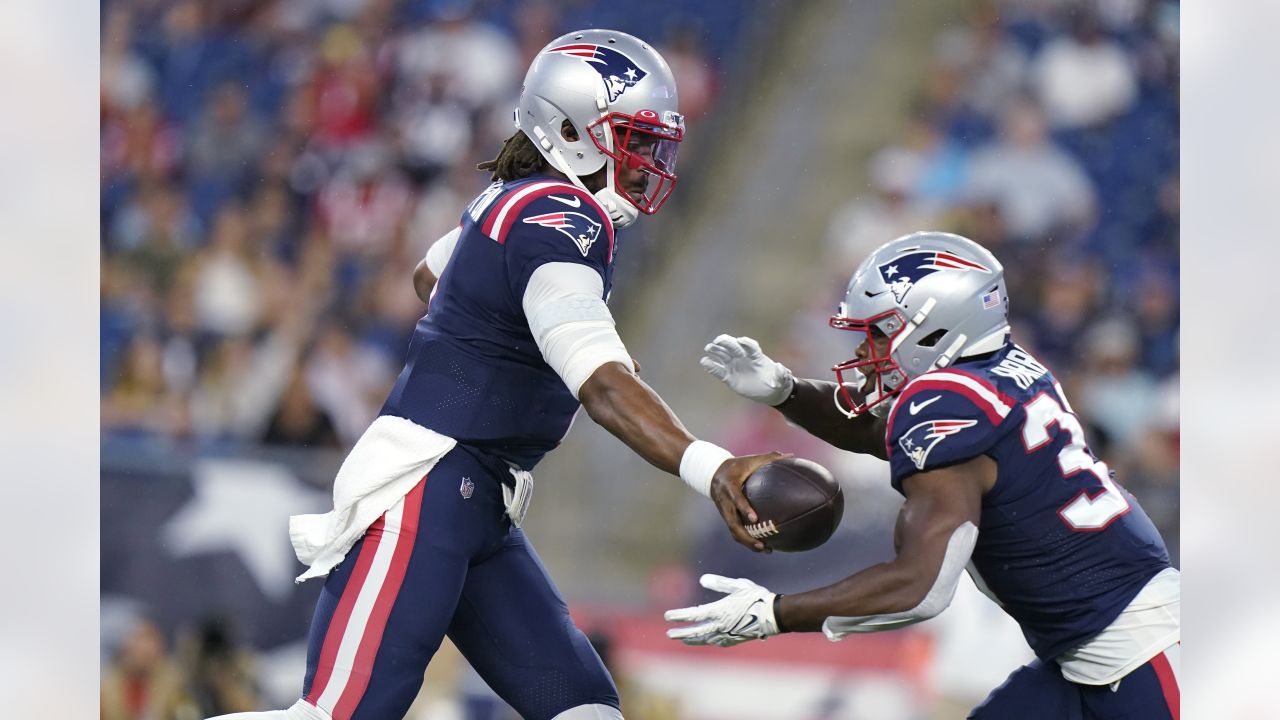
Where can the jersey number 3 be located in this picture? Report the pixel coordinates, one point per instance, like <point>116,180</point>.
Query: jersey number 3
<point>1084,512</point>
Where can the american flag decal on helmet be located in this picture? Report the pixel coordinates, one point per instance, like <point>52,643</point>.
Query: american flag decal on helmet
<point>904,271</point>
<point>991,299</point>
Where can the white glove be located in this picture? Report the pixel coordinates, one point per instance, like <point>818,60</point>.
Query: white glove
<point>740,364</point>
<point>745,614</point>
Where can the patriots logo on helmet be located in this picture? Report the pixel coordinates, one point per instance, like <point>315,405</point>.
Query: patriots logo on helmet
<point>904,271</point>
<point>921,439</point>
<point>617,70</point>
<point>578,227</point>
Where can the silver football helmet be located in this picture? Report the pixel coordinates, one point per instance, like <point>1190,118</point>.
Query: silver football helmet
<point>620,96</point>
<point>924,301</point>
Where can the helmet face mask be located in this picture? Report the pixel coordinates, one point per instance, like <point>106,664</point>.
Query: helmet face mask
<point>618,91</point>
<point>878,367</point>
<point>922,302</point>
<point>645,143</point>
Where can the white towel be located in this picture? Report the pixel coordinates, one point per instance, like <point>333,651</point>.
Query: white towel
<point>386,463</point>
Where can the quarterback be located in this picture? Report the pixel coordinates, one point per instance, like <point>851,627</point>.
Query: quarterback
<point>424,540</point>
<point>998,479</point>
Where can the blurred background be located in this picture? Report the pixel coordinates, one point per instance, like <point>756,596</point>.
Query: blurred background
<point>271,172</point>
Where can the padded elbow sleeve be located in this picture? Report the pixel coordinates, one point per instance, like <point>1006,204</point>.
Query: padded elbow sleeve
<point>959,548</point>
<point>570,323</point>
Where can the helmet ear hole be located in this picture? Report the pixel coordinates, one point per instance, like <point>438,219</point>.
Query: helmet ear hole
<point>932,338</point>
<point>568,131</point>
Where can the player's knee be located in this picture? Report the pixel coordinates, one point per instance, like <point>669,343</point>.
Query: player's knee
<point>590,712</point>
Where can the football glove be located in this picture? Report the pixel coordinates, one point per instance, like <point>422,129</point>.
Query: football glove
<point>740,364</point>
<point>745,613</point>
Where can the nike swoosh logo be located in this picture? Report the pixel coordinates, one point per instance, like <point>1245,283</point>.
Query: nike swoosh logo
<point>917,407</point>
<point>571,201</point>
<point>745,624</point>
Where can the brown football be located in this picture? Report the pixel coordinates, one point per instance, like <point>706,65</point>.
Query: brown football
<point>798,502</point>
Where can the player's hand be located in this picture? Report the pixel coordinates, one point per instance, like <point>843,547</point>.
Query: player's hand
<point>745,613</point>
<point>740,364</point>
<point>726,493</point>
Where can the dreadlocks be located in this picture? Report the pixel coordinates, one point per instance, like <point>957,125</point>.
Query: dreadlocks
<point>518,158</point>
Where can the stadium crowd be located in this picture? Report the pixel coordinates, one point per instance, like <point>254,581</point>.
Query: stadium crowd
<point>272,171</point>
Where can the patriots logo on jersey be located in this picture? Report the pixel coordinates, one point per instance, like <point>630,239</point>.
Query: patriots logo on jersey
<point>618,71</point>
<point>578,227</point>
<point>920,440</point>
<point>904,271</point>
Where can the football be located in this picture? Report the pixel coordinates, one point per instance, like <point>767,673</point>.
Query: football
<point>798,502</point>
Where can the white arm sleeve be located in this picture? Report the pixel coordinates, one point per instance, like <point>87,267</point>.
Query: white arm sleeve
<point>570,322</point>
<point>441,250</point>
<point>959,548</point>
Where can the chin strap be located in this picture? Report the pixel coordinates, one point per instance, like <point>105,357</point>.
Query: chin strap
<point>622,213</point>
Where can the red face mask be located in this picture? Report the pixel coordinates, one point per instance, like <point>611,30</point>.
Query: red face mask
<point>642,142</point>
<point>879,332</point>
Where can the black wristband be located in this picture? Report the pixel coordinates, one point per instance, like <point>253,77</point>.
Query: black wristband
<point>777,613</point>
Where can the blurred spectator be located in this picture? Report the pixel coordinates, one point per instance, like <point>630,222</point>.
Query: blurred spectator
<point>298,421</point>
<point>365,202</point>
<point>155,229</point>
<point>220,671</point>
<point>1115,394</point>
<point>349,380</point>
<point>135,396</point>
<point>864,224</point>
<point>142,682</point>
<point>481,63</point>
<point>942,161</point>
<point>991,67</point>
<point>241,381</point>
<point>1038,187</point>
<point>127,80</point>
<point>186,55</point>
<point>1157,317</point>
<point>228,299</point>
<point>435,129</point>
<point>343,93</point>
<point>436,211</point>
<point>1069,298</point>
<point>226,140</point>
<point>1084,79</point>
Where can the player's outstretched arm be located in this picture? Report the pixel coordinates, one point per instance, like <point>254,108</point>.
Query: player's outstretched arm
<point>936,533</point>
<point>812,406</point>
<point>626,406</point>
<point>740,363</point>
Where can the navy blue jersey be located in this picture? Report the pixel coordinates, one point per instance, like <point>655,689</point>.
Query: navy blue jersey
<point>473,371</point>
<point>1061,545</point>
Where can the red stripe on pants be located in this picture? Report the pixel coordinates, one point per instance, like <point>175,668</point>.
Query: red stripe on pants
<point>1168,683</point>
<point>342,614</point>
<point>362,667</point>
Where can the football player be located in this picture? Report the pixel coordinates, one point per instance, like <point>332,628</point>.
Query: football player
<point>997,477</point>
<point>425,540</point>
